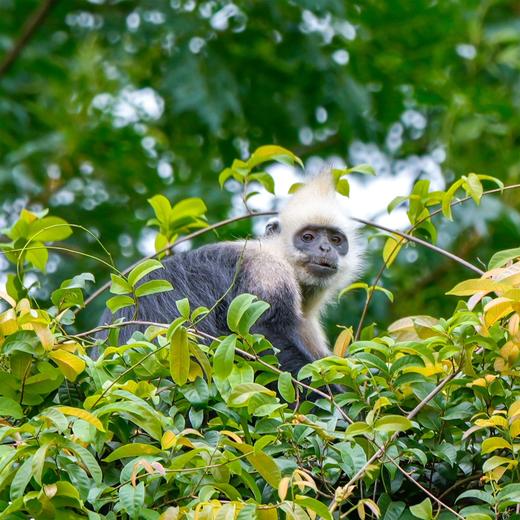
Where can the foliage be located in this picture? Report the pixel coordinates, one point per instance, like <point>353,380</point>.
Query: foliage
<point>179,425</point>
<point>111,102</point>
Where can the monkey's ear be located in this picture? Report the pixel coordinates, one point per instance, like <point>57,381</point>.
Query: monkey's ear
<point>272,227</point>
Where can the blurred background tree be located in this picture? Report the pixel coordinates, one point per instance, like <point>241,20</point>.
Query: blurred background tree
<point>111,101</point>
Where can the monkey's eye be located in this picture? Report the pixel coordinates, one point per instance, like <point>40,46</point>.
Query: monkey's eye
<point>307,237</point>
<point>336,239</point>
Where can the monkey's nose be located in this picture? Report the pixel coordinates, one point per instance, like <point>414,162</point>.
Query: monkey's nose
<point>325,248</point>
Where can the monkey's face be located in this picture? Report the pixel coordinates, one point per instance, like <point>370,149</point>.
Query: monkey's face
<point>320,252</point>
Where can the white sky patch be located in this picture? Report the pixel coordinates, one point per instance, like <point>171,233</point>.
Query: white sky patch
<point>131,105</point>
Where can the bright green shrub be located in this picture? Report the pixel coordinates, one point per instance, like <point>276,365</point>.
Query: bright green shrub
<point>169,426</point>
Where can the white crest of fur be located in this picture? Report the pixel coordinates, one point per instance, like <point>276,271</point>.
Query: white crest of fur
<point>317,204</point>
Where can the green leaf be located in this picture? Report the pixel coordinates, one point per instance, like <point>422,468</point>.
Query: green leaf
<point>343,187</point>
<point>49,229</point>
<point>224,175</point>
<point>21,479</point>
<point>135,449</point>
<point>358,428</point>
<point>86,457</point>
<point>162,208</point>
<point>496,461</point>
<point>394,511</point>
<point>132,499</point>
<point>272,153</point>
<point>483,496</point>
<point>37,255</point>
<point>295,187</point>
<point>396,202</point>
<point>183,306</point>
<point>251,315</point>
<point>386,292</point>
<point>264,178</point>
<point>509,494</point>
<point>263,463</point>
<point>351,287</point>
<point>365,169</point>
<point>179,356</point>
<point>153,287</point>
<point>314,505</point>
<point>286,387</point>
<point>10,408</point>
<point>142,269</point>
<point>64,298</point>
<point>490,178</point>
<point>224,357</point>
<point>236,310</point>
<point>423,510</point>
<point>392,423</point>
<point>448,197</point>
<point>119,285</point>
<point>190,207</point>
<point>119,302</point>
<point>243,392</point>
<point>503,257</point>
<point>474,187</point>
<point>39,462</point>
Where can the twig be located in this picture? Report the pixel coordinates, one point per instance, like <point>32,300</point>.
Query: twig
<point>381,451</point>
<point>411,238</point>
<point>191,236</point>
<point>424,490</point>
<point>461,482</point>
<point>28,30</point>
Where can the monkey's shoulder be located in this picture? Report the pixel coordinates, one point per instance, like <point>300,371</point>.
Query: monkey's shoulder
<point>260,256</point>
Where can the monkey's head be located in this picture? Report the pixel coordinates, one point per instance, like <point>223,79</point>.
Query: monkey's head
<point>318,238</point>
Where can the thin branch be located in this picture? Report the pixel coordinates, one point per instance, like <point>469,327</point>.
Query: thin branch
<point>411,238</point>
<point>461,482</point>
<point>424,490</point>
<point>29,28</point>
<point>381,451</point>
<point>191,236</point>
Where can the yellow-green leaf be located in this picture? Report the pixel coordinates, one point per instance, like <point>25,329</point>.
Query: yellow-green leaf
<point>391,249</point>
<point>179,356</point>
<point>82,414</point>
<point>69,364</point>
<point>392,423</point>
<point>135,449</point>
<point>496,461</point>
<point>272,153</point>
<point>494,443</point>
<point>475,285</point>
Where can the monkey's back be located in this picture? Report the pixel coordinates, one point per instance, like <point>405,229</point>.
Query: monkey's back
<point>208,276</point>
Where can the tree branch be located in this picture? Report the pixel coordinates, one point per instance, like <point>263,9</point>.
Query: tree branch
<point>29,28</point>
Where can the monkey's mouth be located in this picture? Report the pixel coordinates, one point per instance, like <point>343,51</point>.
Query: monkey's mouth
<point>321,267</point>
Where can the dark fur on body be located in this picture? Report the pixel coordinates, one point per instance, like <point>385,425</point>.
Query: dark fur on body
<point>221,272</point>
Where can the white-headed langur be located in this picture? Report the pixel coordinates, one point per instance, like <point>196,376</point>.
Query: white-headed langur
<point>310,252</point>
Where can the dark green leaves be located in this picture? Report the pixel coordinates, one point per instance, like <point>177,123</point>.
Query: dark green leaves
<point>128,289</point>
<point>243,313</point>
<point>224,356</point>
